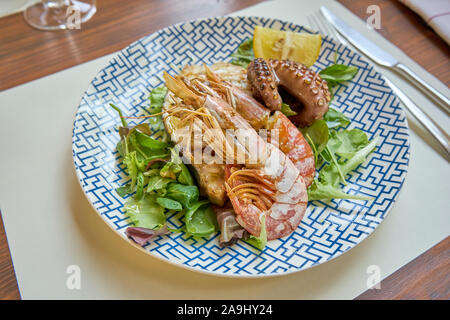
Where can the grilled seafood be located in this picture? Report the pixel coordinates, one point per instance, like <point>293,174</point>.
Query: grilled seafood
<point>289,139</point>
<point>244,103</point>
<point>300,82</point>
<point>267,184</point>
<point>179,120</point>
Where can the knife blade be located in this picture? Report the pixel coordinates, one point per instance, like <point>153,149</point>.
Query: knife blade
<point>369,48</point>
<point>383,58</point>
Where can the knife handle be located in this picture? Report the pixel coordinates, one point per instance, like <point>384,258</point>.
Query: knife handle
<point>432,127</point>
<point>431,92</point>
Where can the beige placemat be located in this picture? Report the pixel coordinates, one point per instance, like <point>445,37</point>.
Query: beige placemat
<point>8,7</point>
<point>51,226</point>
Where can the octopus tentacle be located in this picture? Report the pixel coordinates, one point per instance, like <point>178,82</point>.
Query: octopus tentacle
<point>302,83</point>
<point>264,83</point>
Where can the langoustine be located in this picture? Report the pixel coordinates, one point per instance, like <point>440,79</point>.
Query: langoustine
<point>301,83</point>
<point>267,184</point>
<point>288,138</point>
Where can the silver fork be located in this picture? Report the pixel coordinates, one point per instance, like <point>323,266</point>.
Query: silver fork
<point>317,22</point>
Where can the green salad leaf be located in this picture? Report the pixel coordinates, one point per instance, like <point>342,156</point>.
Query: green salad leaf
<point>317,136</point>
<point>319,191</point>
<point>140,185</point>
<point>169,204</point>
<point>162,183</point>
<point>287,111</point>
<point>148,142</point>
<point>122,119</point>
<point>170,170</point>
<point>260,241</point>
<point>338,73</point>
<point>348,142</point>
<point>146,212</point>
<point>131,167</point>
<point>244,54</point>
<point>158,184</point>
<point>124,190</point>
<point>156,98</point>
<point>359,157</point>
<point>201,220</point>
<point>185,176</point>
<point>186,195</point>
<point>326,186</point>
<point>335,119</point>
<point>342,150</point>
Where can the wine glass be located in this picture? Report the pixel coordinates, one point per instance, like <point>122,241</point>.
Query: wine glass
<point>59,14</point>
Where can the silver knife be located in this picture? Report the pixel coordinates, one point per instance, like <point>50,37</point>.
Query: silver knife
<point>383,58</point>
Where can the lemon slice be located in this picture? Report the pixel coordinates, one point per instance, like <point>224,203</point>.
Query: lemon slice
<point>276,44</point>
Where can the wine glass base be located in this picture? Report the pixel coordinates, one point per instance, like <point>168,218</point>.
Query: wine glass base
<point>58,17</point>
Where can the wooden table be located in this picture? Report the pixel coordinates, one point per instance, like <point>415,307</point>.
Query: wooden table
<point>27,54</point>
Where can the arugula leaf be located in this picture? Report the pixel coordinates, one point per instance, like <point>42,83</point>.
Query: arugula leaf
<point>330,174</point>
<point>319,191</point>
<point>317,136</point>
<point>260,241</point>
<point>186,195</point>
<point>139,186</point>
<point>287,111</point>
<point>122,119</point>
<point>146,212</point>
<point>131,167</point>
<point>334,163</point>
<point>169,204</point>
<point>244,54</point>
<point>201,220</point>
<point>148,142</point>
<point>346,143</point>
<point>335,119</point>
<point>359,157</point>
<point>338,73</point>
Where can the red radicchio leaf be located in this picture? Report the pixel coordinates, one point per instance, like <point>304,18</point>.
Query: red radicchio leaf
<point>230,229</point>
<point>143,235</point>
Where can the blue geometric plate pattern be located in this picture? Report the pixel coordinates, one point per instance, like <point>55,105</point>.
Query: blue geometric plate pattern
<point>328,228</point>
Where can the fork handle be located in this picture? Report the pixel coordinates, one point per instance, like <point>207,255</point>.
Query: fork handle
<point>432,127</point>
<point>431,92</point>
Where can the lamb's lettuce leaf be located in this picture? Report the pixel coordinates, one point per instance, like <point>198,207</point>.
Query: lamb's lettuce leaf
<point>186,195</point>
<point>169,204</point>
<point>200,219</point>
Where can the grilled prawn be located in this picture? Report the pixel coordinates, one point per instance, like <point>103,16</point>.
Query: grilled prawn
<point>267,183</point>
<point>288,138</point>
